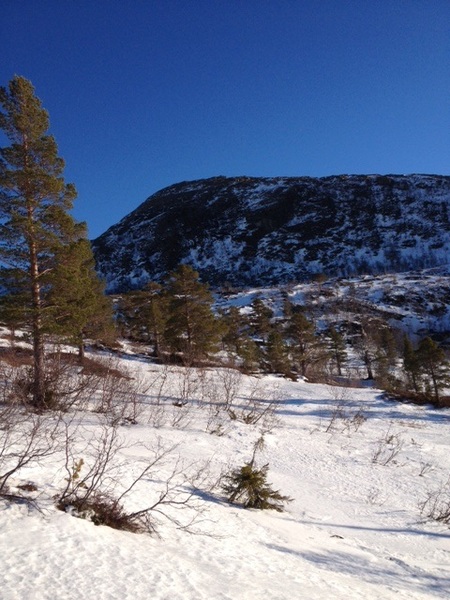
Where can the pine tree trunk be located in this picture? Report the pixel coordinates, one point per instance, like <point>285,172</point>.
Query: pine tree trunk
<point>38,342</point>
<point>36,305</point>
<point>435,386</point>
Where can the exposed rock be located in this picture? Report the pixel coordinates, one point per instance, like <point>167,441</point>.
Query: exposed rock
<point>264,231</point>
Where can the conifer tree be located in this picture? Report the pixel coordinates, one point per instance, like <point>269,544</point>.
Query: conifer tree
<point>128,316</point>
<point>434,366</point>
<point>277,352</point>
<point>287,306</point>
<point>35,201</point>
<point>13,300</point>
<point>191,328</point>
<point>77,305</point>
<point>142,315</point>
<point>155,315</point>
<point>337,348</point>
<point>234,328</point>
<point>306,348</point>
<point>250,353</point>
<point>248,485</point>
<point>260,318</point>
<point>411,364</point>
<point>385,355</point>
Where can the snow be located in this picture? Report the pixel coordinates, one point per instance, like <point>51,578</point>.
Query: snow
<point>353,531</point>
<point>411,302</point>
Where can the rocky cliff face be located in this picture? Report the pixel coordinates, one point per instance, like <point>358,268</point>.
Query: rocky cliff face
<point>265,231</point>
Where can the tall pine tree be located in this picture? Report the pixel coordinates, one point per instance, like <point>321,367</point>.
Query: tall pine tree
<point>35,223</point>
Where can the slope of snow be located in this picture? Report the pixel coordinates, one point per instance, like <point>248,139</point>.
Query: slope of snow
<point>353,531</point>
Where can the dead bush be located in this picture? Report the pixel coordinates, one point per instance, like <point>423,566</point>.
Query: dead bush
<point>101,509</point>
<point>26,439</point>
<point>98,485</point>
<point>258,407</point>
<point>388,448</point>
<point>436,505</point>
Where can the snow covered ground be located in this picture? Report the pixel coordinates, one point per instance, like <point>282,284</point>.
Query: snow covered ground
<point>415,302</point>
<point>356,466</point>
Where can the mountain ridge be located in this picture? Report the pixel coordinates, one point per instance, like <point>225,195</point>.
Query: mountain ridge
<point>272,230</point>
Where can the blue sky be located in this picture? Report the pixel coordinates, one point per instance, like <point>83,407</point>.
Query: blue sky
<point>146,93</point>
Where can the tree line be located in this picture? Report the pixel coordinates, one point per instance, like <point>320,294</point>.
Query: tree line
<point>178,321</point>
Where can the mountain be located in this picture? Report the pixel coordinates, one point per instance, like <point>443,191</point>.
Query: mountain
<point>263,231</point>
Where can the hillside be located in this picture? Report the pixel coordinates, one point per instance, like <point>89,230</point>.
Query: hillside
<point>267,231</point>
<point>414,302</point>
<point>357,467</point>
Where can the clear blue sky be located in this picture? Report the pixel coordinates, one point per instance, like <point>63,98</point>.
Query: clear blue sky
<point>146,93</point>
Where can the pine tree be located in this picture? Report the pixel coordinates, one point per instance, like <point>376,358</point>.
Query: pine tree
<point>434,366</point>
<point>155,314</point>
<point>13,301</point>
<point>260,318</point>
<point>234,328</point>
<point>385,356</point>
<point>77,305</point>
<point>142,315</point>
<point>377,348</point>
<point>411,364</point>
<point>277,352</point>
<point>248,485</point>
<point>337,348</point>
<point>287,306</point>
<point>34,205</point>
<point>129,316</point>
<point>306,347</point>
<point>191,328</point>
<point>250,353</point>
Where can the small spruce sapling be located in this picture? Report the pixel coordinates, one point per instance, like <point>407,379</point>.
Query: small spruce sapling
<point>247,485</point>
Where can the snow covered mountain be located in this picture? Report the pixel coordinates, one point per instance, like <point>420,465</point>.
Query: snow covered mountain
<point>264,231</point>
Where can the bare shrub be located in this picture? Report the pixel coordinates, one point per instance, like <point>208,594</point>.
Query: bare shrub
<point>388,449</point>
<point>26,438</point>
<point>188,385</point>
<point>66,383</point>
<point>258,407</point>
<point>120,396</point>
<point>436,506</point>
<point>344,416</point>
<point>157,415</point>
<point>375,497</point>
<point>99,486</point>
<point>102,510</point>
<point>159,383</point>
<point>425,467</point>
<point>157,389</point>
<point>213,399</point>
<point>181,415</point>
<point>112,385</point>
<point>16,356</point>
<point>230,381</point>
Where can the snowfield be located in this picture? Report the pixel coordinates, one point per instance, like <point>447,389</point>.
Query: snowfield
<point>357,467</point>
